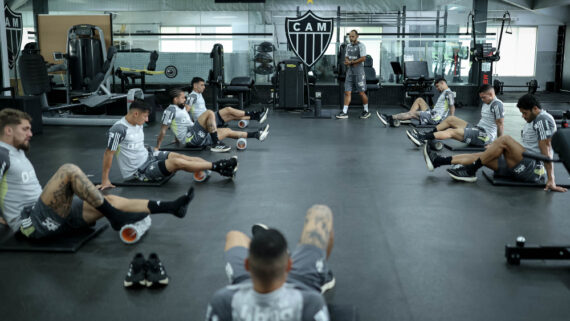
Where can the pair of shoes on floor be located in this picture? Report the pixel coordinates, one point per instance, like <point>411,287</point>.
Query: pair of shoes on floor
<point>343,115</point>
<point>329,281</point>
<point>149,272</point>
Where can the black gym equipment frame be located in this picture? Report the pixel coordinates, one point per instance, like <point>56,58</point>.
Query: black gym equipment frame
<point>521,251</point>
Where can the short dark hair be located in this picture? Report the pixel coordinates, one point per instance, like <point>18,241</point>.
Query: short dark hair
<point>440,79</point>
<point>10,116</point>
<point>196,80</point>
<point>528,101</point>
<point>354,30</point>
<point>267,252</point>
<point>140,105</point>
<point>485,88</point>
<point>173,93</point>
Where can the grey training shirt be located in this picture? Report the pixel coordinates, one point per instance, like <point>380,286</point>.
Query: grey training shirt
<point>128,142</point>
<point>288,303</point>
<point>19,186</point>
<point>489,115</point>
<point>354,52</point>
<point>541,128</point>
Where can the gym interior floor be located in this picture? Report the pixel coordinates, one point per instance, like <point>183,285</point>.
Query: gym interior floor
<point>410,244</point>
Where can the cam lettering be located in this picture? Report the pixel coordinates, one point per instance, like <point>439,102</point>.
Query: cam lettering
<point>296,26</point>
<point>321,26</point>
<point>12,22</point>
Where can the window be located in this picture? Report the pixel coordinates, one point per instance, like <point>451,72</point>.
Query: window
<point>195,43</point>
<point>518,52</point>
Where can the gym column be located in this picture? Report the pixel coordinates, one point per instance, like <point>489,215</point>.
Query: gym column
<point>480,27</point>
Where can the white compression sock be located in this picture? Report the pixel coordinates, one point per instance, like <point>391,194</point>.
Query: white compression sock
<point>345,109</point>
<point>366,108</point>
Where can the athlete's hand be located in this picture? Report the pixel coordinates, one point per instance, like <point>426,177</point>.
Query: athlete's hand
<point>346,62</point>
<point>551,186</point>
<point>2,221</point>
<point>106,184</point>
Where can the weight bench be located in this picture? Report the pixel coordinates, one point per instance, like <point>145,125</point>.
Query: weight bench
<point>454,145</point>
<point>132,182</point>
<point>68,242</point>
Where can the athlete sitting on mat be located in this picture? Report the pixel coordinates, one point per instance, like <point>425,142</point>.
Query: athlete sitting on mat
<point>505,155</point>
<point>266,281</point>
<point>69,200</point>
<point>224,115</point>
<point>420,109</point>
<point>203,132</point>
<point>489,127</point>
<point>139,162</point>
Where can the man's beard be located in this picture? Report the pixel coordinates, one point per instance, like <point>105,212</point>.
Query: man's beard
<point>24,146</point>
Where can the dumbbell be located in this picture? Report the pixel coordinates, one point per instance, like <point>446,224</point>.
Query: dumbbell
<point>202,176</point>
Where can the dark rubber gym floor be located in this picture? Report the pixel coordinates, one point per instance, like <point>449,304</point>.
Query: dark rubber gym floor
<point>410,244</point>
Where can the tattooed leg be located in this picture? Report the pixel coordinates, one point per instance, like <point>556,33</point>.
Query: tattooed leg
<point>318,229</point>
<point>67,181</point>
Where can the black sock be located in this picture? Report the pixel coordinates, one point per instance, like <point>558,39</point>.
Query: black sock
<point>477,164</point>
<point>177,207</point>
<point>215,138</point>
<point>439,161</point>
<point>253,134</point>
<point>429,136</point>
<point>118,218</point>
<point>253,115</point>
<point>434,130</point>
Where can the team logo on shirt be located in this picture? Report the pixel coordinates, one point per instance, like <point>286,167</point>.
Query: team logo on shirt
<point>309,36</point>
<point>13,34</point>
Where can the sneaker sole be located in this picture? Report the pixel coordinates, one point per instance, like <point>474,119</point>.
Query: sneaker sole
<point>329,285</point>
<point>427,160</point>
<point>413,139</point>
<point>365,117</point>
<point>263,136</point>
<point>128,284</point>
<point>341,117</point>
<point>217,150</point>
<point>264,117</point>
<point>160,282</point>
<point>382,119</point>
<point>463,179</point>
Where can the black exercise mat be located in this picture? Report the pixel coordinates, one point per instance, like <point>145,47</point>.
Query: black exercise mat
<point>69,242</point>
<point>132,182</point>
<point>460,146</point>
<point>176,147</point>
<point>561,176</point>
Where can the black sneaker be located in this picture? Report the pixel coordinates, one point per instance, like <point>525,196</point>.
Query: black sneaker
<point>229,167</point>
<point>329,282</point>
<point>263,115</point>
<point>385,119</point>
<point>416,138</point>
<point>220,147</point>
<point>137,272</point>
<point>364,115</point>
<point>429,157</point>
<point>155,272</point>
<point>258,227</point>
<point>342,115</point>
<point>463,173</point>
